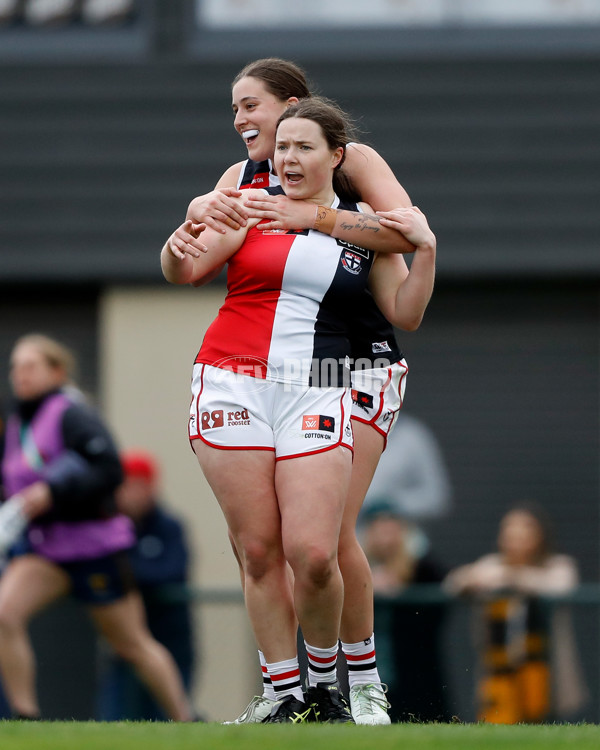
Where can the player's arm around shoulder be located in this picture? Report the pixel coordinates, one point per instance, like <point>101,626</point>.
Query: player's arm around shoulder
<point>373,178</point>
<point>195,252</point>
<point>218,209</point>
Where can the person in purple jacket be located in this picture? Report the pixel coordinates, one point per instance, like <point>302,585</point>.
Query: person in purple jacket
<point>59,470</point>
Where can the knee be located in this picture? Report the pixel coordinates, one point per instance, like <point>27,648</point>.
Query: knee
<point>315,566</point>
<point>259,557</point>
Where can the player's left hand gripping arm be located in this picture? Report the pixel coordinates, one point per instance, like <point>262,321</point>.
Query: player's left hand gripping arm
<point>403,297</point>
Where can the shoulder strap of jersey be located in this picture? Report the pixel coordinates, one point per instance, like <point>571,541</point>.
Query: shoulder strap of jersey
<point>254,174</point>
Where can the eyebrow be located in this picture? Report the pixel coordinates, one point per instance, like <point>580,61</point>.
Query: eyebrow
<point>244,99</point>
<point>304,142</point>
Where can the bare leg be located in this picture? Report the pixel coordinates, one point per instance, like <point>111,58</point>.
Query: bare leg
<point>123,624</point>
<point>242,482</point>
<point>311,492</point>
<point>357,614</point>
<point>28,585</point>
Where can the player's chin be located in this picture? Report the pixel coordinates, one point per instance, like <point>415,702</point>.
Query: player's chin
<point>257,151</point>
<point>297,195</point>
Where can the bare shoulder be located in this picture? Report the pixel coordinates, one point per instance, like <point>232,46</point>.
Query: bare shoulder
<point>359,156</point>
<point>230,176</point>
<point>362,151</point>
<point>373,178</point>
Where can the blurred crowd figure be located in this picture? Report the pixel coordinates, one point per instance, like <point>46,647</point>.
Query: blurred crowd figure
<point>159,559</point>
<point>410,635</point>
<point>412,475</point>
<point>529,669</point>
<point>62,530</point>
<point>53,13</point>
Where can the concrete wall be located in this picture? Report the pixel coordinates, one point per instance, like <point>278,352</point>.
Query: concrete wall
<point>148,340</point>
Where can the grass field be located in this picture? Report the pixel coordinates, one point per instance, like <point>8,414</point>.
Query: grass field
<point>148,736</point>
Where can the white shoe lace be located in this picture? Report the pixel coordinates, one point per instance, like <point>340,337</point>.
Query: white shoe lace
<point>370,699</point>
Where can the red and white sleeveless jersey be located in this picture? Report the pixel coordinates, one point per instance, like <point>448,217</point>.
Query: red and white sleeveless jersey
<point>289,297</point>
<point>372,336</point>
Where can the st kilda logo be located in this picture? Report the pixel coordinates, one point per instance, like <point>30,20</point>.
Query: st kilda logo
<point>352,256</point>
<point>351,262</point>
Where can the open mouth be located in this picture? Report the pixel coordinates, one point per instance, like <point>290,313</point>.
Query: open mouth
<point>249,136</point>
<point>293,177</point>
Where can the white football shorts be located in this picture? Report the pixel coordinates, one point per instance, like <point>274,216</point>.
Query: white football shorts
<point>377,396</point>
<point>231,411</point>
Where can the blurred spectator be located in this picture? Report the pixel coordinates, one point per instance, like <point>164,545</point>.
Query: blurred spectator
<point>409,634</point>
<point>59,472</point>
<point>159,558</point>
<point>529,670</point>
<point>411,475</point>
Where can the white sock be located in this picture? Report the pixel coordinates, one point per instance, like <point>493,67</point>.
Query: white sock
<point>321,664</point>
<point>360,657</point>
<point>268,691</point>
<point>285,678</point>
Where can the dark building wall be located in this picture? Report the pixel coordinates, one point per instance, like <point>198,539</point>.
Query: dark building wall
<point>506,375</point>
<point>502,153</point>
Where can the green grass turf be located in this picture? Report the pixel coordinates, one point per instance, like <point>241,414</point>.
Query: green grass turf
<point>163,736</point>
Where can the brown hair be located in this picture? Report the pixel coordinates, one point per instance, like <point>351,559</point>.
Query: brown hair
<point>338,130</point>
<point>57,355</point>
<point>282,78</point>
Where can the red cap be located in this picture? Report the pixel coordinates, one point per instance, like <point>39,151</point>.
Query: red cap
<point>138,463</point>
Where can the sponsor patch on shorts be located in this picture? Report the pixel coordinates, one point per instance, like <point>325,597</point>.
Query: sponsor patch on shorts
<point>363,400</point>
<point>220,418</point>
<point>318,422</point>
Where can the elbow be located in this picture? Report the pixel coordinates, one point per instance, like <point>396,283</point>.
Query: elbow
<point>408,323</point>
<point>413,325</point>
<point>173,276</point>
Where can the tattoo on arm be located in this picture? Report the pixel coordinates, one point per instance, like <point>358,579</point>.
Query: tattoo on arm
<point>362,222</point>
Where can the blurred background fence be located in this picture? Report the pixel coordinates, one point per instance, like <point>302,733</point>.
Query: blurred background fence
<point>488,113</point>
<point>71,660</point>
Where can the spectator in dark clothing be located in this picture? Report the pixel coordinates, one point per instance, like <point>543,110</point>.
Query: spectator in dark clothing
<point>409,643</point>
<point>159,559</point>
<point>59,471</point>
